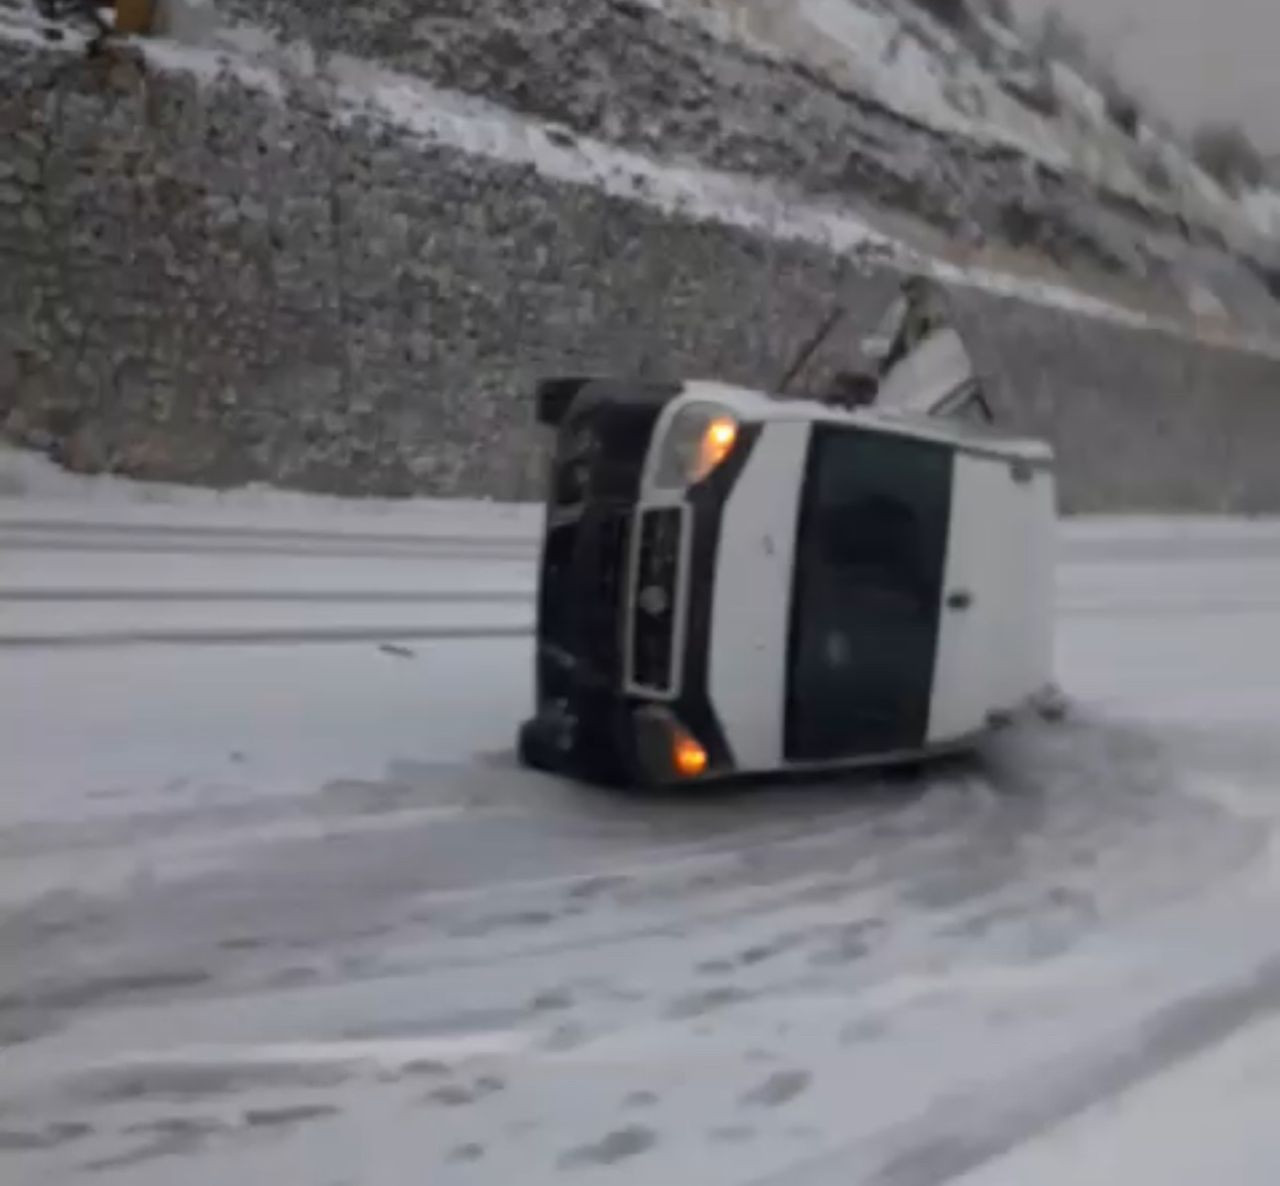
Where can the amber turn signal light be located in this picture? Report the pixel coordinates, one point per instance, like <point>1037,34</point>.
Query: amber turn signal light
<point>718,440</point>
<point>688,756</point>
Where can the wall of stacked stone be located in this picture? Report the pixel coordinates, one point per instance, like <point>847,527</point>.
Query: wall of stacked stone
<point>201,283</point>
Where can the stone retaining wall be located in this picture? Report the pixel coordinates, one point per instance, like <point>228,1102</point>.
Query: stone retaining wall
<point>202,283</point>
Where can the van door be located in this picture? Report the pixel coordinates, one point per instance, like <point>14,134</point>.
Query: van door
<point>995,647</point>
<point>870,553</point>
<point>980,596</point>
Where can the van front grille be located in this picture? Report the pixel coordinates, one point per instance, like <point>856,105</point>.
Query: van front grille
<point>655,593</point>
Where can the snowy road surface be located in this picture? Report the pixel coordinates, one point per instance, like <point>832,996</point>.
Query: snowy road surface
<point>283,910</point>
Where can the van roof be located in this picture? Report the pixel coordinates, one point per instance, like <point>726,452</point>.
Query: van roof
<point>959,434</point>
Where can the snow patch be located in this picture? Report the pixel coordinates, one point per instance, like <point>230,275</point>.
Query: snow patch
<point>33,487</point>
<point>1263,208</point>
<point>390,1054</point>
<point>29,32</point>
<point>1211,1120</point>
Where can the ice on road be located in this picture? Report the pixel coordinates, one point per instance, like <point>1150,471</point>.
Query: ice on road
<point>287,911</point>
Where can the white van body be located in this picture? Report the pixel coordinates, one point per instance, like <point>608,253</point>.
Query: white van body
<point>994,649</point>
<point>736,582</point>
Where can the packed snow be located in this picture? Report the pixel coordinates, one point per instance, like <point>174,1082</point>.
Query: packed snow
<point>289,912</point>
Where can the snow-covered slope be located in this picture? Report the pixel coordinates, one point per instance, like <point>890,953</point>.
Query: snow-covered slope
<point>977,83</point>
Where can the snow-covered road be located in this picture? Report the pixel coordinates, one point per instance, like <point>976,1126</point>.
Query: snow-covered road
<point>286,911</point>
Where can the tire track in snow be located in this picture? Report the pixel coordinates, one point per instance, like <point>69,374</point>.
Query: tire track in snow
<point>215,636</point>
<point>302,596</point>
<point>989,1123</point>
<point>195,533</point>
<point>338,549</point>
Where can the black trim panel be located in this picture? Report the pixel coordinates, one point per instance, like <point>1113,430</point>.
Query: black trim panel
<point>553,398</point>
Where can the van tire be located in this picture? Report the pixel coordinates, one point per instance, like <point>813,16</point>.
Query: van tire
<point>535,747</point>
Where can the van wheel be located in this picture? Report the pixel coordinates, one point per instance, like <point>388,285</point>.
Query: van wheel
<point>1051,705</point>
<point>535,747</point>
<point>596,755</point>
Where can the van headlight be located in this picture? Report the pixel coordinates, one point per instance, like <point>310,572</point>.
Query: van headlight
<point>698,439</point>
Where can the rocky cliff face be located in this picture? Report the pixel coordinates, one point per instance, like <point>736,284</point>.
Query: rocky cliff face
<point>868,103</point>
<point>340,263</point>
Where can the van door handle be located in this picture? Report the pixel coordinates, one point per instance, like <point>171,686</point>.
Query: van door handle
<point>960,599</point>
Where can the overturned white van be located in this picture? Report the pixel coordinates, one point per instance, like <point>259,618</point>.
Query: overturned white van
<point>737,583</point>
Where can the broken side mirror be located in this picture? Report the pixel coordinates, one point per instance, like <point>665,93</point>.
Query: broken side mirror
<point>923,364</point>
